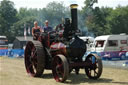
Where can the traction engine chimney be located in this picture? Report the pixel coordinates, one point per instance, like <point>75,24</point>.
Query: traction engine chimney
<point>74,17</point>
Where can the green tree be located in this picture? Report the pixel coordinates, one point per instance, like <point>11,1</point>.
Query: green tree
<point>96,18</point>
<point>88,8</point>
<point>97,23</point>
<point>2,25</point>
<point>105,20</point>
<point>118,20</point>
<point>8,17</point>
<point>87,14</point>
<point>54,12</point>
<point>18,27</point>
<point>24,13</point>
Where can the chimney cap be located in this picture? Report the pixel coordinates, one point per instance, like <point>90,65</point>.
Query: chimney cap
<point>73,6</point>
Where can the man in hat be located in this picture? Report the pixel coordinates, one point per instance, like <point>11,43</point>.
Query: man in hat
<point>47,28</point>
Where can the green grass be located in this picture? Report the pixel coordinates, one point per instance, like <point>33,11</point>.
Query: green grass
<point>12,72</point>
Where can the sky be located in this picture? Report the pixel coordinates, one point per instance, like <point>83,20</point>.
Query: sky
<point>43,3</point>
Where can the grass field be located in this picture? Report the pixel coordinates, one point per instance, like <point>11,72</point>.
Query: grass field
<point>12,72</point>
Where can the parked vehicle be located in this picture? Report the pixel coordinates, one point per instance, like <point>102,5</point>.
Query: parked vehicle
<point>88,41</point>
<point>3,42</point>
<point>111,46</point>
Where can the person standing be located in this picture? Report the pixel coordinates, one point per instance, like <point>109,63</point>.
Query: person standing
<point>47,28</point>
<point>36,30</point>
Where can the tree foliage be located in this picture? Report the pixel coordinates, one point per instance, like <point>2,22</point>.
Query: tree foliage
<point>18,27</point>
<point>54,12</point>
<point>97,21</point>
<point>105,20</point>
<point>7,17</point>
<point>118,20</point>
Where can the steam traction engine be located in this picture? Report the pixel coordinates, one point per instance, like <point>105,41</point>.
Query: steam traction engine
<point>61,51</point>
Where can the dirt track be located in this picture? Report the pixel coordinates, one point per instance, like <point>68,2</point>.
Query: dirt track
<point>12,72</point>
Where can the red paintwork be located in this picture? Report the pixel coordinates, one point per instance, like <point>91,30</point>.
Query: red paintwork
<point>60,47</point>
<point>4,48</point>
<point>48,40</point>
<point>61,33</point>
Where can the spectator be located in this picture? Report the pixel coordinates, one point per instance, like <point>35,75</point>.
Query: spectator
<point>47,28</point>
<point>36,30</point>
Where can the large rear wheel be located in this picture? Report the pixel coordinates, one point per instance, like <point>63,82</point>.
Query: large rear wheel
<point>93,71</point>
<point>34,58</point>
<point>60,68</point>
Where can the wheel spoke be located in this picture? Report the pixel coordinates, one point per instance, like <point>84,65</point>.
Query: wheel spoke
<point>30,69</point>
<point>96,66</point>
<point>62,73</point>
<point>60,66</point>
<point>61,70</point>
<point>29,46</point>
<point>34,53</point>
<point>89,72</point>
<point>34,57</point>
<point>29,66</point>
<point>95,72</point>
<point>35,64</point>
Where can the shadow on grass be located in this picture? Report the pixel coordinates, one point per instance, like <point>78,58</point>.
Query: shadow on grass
<point>82,78</point>
<point>122,83</point>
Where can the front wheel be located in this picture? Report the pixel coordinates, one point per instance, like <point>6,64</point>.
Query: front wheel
<point>93,71</point>
<point>60,68</point>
